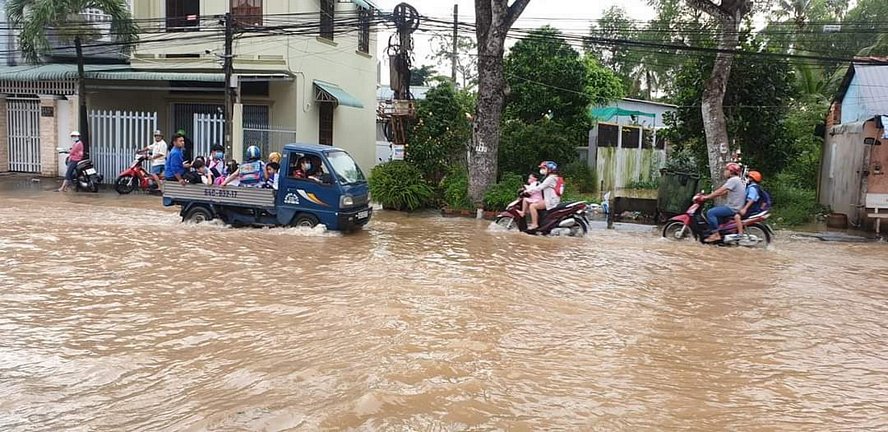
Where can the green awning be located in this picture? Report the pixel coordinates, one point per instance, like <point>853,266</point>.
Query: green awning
<point>607,113</point>
<point>63,72</point>
<point>332,93</point>
<point>365,4</point>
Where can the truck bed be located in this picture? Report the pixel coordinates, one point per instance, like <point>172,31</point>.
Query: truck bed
<point>229,195</point>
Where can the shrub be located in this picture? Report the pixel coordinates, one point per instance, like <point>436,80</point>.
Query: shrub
<point>398,185</point>
<point>792,205</point>
<point>523,146</point>
<point>456,190</point>
<point>581,177</point>
<point>499,195</point>
<point>441,133</point>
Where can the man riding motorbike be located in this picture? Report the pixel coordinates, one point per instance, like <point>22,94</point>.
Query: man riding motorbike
<point>551,189</point>
<point>736,192</point>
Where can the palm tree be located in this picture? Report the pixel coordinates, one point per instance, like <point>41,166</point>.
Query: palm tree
<point>35,19</point>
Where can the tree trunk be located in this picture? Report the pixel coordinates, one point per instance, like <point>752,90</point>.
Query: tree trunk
<point>714,123</point>
<point>486,128</point>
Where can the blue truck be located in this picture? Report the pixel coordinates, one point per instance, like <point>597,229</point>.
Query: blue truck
<point>336,194</point>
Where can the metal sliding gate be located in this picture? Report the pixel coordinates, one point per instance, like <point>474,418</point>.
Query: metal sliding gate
<point>208,129</point>
<point>23,134</point>
<point>116,136</point>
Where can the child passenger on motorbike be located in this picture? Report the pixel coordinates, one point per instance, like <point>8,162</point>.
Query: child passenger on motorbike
<point>752,196</point>
<point>532,197</point>
<point>549,189</point>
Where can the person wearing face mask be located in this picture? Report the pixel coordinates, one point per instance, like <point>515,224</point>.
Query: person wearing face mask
<point>216,164</point>
<point>74,156</point>
<point>552,187</point>
<point>304,169</point>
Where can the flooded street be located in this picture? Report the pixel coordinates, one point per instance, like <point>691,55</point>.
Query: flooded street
<point>115,316</point>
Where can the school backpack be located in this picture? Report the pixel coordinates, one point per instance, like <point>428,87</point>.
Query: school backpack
<point>559,186</point>
<point>764,202</point>
<point>252,173</point>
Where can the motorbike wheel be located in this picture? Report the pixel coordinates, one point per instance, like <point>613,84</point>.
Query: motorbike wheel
<point>673,231</point>
<point>125,184</point>
<point>580,229</point>
<point>760,232</point>
<point>93,186</point>
<point>506,223</point>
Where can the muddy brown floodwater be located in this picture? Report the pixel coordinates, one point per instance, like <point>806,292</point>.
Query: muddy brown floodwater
<point>115,316</point>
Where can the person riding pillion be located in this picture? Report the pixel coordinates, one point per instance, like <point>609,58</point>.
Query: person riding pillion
<point>250,173</point>
<point>753,196</point>
<point>552,188</point>
<point>736,192</point>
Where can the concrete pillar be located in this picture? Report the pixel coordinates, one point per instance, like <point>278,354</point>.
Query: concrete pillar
<point>49,155</point>
<point>4,141</point>
<point>237,132</point>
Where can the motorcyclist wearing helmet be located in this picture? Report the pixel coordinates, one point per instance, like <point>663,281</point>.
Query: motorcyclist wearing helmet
<point>551,196</point>
<point>250,173</point>
<point>753,178</point>
<point>736,192</point>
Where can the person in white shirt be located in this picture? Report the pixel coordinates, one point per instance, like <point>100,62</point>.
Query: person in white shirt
<point>158,152</point>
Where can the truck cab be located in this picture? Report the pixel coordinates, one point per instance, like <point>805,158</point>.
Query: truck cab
<point>316,185</point>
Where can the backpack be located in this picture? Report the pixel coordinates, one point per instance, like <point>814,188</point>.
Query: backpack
<point>764,202</point>
<point>252,173</point>
<point>559,186</point>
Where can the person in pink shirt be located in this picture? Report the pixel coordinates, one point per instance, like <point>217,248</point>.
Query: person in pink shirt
<point>74,155</point>
<point>534,197</point>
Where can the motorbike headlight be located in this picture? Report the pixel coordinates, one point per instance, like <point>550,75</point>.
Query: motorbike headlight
<point>346,201</point>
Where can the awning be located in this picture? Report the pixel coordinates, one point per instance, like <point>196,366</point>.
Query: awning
<point>607,113</point>
<point>63,72</point>
<point>365,4</point>
<point>327,92</point>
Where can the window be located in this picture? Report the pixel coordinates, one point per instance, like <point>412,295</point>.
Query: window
<point>328,8</point>
<point>182,15</point>
<point>607,135</point>
<point>647,138</point>
<point>630,137</point>
<point>247,13</point>
<point>325,123</point>
<point>364,27</point>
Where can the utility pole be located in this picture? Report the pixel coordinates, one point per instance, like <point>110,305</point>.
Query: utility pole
<point>228,66</point>
<point>81,93</point>
<point>455,39</point>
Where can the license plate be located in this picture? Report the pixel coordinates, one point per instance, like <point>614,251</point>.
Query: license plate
<point>90,171</point>
<point>363,215</point>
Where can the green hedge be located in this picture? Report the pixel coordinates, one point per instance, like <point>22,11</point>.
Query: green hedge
<point>399,185</point>
<point>456,190</point>
<point>499,195</point>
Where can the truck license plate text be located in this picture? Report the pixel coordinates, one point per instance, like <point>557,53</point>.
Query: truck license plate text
<point>217,193</point>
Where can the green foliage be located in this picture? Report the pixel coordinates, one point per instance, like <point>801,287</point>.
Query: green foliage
<point>523,146</point>
<point>422,76</point>
<point>499,195</point>
<point>456,190</point>
<point>34,17</point>
<point>399,185</point>
<point>602,85</point>
<point>580,176</point>
<point>792,205</point>
<point>546,77</point>
<point>442,132</point>
<point>644,184</point>
<point>682,160</point>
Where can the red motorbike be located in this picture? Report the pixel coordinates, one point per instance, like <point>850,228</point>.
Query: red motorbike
<point>567,219</point>
<point>135,177</point>
<point>756,233</point>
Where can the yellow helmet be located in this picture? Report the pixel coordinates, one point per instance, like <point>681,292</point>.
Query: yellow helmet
<point>274,157</point>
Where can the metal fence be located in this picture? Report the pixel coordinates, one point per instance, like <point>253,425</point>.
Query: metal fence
<point>116,136</point>
<point>208,129</point>
<point>23,134</point>
<point>268,139</point>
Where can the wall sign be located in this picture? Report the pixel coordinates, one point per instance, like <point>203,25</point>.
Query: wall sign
<point>47,111</point>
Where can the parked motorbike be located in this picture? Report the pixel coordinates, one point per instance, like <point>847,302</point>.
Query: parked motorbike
<point>567,219</point>
<point>135,177</point>
<point>692,223</point>
<point>86,177</point>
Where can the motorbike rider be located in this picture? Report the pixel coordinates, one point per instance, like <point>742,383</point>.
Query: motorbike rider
<point>550,189</point>
<point>75,155</point>
<point>250,173</point>
<point>753,178</point>
<point>736,193</point>
<point>157,151</point>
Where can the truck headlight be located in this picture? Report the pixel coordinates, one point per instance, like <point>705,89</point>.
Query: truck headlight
<point>346,201</point>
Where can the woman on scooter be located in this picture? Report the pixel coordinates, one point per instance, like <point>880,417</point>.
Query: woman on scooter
<point>551,194</point>
<point>736,192</point>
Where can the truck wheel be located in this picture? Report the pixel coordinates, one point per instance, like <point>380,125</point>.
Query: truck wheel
<point>198,215</point>
<point>305,221</point>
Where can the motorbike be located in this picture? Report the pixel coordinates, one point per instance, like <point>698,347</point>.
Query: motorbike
<point>86,177</point>
<point>567,219</point>
<point>693,223</point>
<point>135,177</point>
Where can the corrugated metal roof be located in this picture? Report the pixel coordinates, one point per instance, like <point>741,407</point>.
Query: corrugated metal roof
<point>336,92</point>
<point>872,88</point>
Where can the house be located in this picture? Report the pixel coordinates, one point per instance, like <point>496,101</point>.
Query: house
<point>623,145</point>
<point>304,71</point>
<point>855,148</point>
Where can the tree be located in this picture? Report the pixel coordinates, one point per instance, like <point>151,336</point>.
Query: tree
<point>615,23</point>
<point>466,58</point>
<point>730,14</point>
<point>422,76</point>
<point>442,132</point>
<point>35,18</point>
<point>493,19</point>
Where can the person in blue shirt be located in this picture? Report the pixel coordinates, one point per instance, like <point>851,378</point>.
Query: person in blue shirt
<point>175,167</point>
<point>753,178</point>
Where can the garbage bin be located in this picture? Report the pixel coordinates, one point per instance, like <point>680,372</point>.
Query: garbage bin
<point>676,192</point>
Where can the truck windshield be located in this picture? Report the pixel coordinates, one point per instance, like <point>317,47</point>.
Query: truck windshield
<point>347,171</point>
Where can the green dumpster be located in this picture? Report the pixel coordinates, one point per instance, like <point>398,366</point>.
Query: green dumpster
<point>676,192</point>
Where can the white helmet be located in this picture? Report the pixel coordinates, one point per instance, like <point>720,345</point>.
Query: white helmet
<point>75,133</point>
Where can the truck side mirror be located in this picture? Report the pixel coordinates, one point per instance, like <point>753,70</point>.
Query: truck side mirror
<point>871,141</point>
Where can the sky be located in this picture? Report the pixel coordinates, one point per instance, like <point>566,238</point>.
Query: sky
<point>569,15</point>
